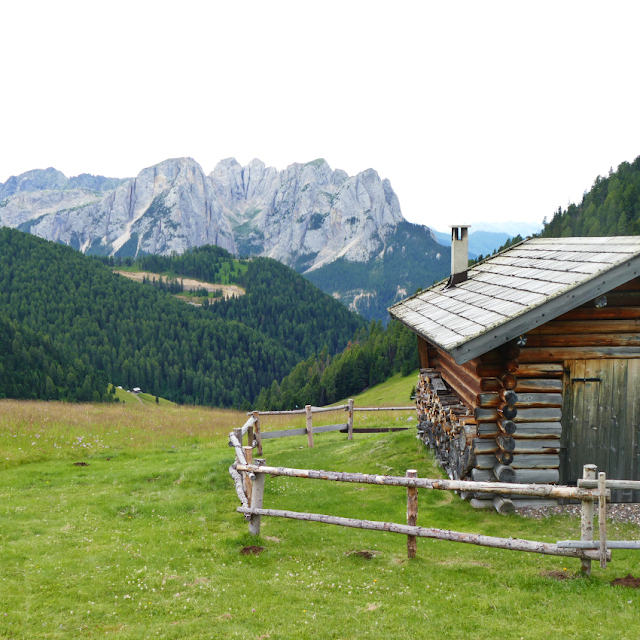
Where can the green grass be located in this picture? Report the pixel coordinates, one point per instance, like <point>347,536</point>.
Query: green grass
<point>394,392</point>
<point>145,398</point>
<point>144,542</point>
<point>224,274</point>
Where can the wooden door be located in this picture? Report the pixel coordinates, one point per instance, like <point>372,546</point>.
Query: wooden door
<point>601,420</point>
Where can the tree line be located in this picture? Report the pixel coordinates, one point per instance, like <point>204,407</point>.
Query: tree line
<point>610,208</point>
<point>375,354</point>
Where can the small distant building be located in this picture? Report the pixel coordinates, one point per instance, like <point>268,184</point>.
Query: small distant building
<point>530,361</point>
<point>136,390</point>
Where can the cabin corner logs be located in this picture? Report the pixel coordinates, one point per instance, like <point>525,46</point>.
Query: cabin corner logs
<point>537,413</point>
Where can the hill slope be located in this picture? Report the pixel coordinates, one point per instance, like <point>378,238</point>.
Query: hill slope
<point>32,368</point>
<point>283,305</point>
<point>138,335</point>
<point>373,356</point>
<point>610,208</point>
<point>412,259</point>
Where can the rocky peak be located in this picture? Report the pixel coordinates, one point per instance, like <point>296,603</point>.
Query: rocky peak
<point>34,180</point>
<point>305,215</point>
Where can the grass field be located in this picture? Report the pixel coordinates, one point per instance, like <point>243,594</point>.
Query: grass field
<point>144,541</point>
<point>396,391</point>
<point>145,398</point>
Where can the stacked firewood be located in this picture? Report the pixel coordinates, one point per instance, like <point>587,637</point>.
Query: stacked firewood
<point>444,424</point>
<point>485,424</point>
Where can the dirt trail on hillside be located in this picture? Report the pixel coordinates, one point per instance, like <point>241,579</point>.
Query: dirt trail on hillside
<point>228,290</point>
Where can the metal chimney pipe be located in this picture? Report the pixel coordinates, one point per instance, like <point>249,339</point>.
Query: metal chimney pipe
<point>459,254</point>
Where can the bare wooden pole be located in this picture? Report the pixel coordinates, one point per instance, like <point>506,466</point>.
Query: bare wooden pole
<point>412,514</point>
<point>257,499</point>
<point>250,436</point>
<point>512,544</point>
<point>586,520</point>
<point>248,482</point>
<point>309,425</point>
<point>503,488</point>
<point>350,420</point>
<point>602,518</point>
<point>258,435</point>
<point>237,445</point>
<point>237,481</point>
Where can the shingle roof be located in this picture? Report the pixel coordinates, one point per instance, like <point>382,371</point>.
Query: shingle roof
<point>518,289</point>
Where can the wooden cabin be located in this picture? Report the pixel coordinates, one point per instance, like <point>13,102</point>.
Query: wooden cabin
<point>530,361</point>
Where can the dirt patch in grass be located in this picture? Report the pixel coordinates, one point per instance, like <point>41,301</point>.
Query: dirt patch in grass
<point>251,550</point>
<point>365,553</point>
<point>559,575</point>
<point>628,581</point>
<point>80,464</point>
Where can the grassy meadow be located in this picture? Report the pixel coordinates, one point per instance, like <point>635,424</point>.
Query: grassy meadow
<point>395,392</point>
<point>142,540</point>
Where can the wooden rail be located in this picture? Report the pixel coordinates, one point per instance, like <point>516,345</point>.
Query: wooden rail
<point>513,544</point>
<point>535,490</point>
<point>309,430</point>
<point>338,407</point>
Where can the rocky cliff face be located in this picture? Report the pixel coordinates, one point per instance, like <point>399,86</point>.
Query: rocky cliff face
<point>168,207</point>
<point>306,216</point>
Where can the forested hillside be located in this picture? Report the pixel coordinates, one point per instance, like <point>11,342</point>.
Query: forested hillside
<point>412,259</point>
<point>374,355</point>
<point>610,208</point>
<point>285,306</point>
<point>279,302</point>
<point>32,368</point>
<point>140,336</point>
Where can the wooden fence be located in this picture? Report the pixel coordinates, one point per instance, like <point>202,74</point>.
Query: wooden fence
<point>249,479</point>
<point>253,425</point>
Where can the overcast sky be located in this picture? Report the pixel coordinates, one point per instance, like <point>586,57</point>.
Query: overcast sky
<point>489,111</point>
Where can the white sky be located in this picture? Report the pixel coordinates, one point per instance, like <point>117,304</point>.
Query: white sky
<point>475,111</point>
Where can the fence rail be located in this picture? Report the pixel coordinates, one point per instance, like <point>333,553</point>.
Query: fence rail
<point>253,423</point>
<point>339,407</point>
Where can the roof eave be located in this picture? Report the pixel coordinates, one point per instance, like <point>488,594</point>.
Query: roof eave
<point>552,308</point>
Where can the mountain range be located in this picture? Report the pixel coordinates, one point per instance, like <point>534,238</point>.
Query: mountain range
<point>308,216</point>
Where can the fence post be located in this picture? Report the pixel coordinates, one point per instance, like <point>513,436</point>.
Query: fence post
<point>250,436</point>
<point>257,499</point>
<point>602,517</point>
<point>256,431</point>
<point>586,524</point>
<point>238,434</point>
<point>350,420</point>
<point>309,425</point>
<point>412,514</point>
<point>248,483</point>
